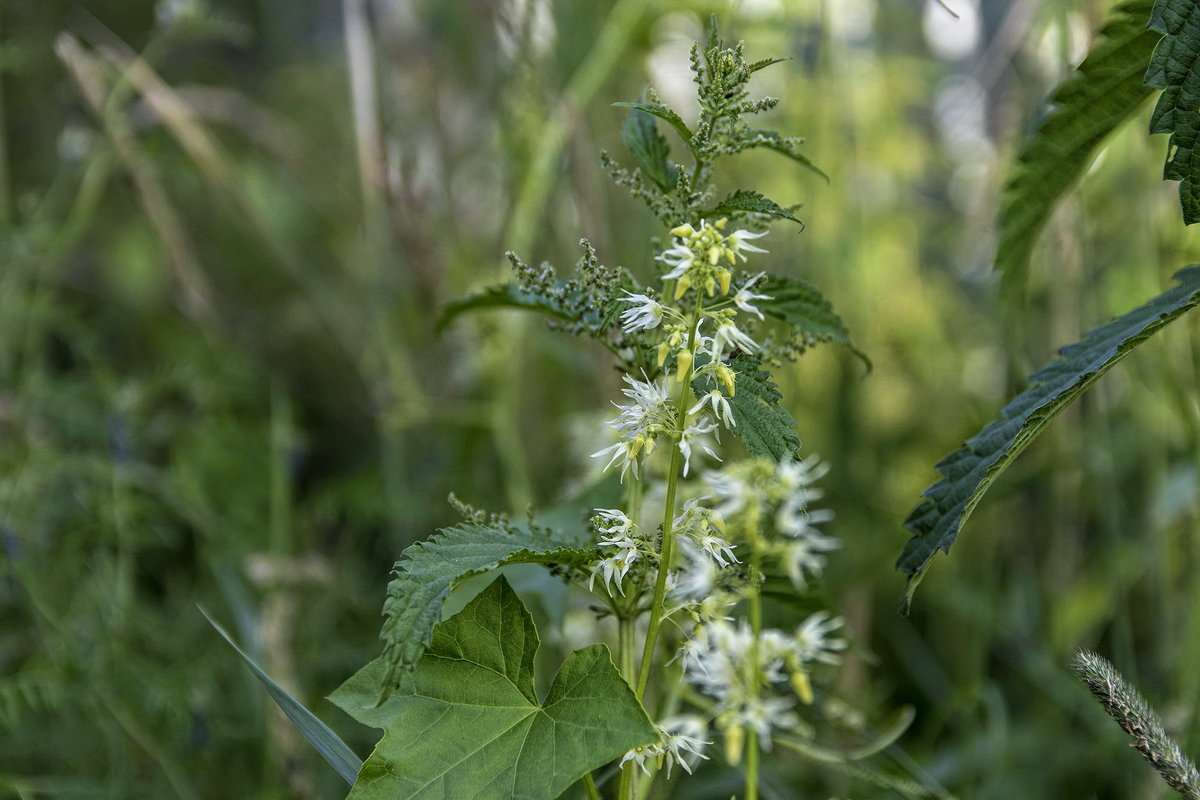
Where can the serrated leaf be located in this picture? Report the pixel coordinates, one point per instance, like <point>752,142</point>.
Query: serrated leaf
<point>745,201</point>
<point>509,295</point>
<point>330,746</point>
<point>970,471</point>
<point>649,149</point>
<point>806,310</point>
<point>665,114</point>
<point>765,428</point>
<point>428,570</point>
<point>466,722</point>
<point>766,62</point>
<point>1175,68</point>
<point>784,145</point>
<point>1105,90</point>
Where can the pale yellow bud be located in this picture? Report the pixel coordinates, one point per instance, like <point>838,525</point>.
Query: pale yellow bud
<point>720,224</point>
<point>802,686</point>
<point>710,286</point>
<point>649,446</point>
<point>636,445</point>
<point>725,377</point>
<point>683,231</point>
<point>664,350</point>
<point>726,277</point>
<point>682,285</point>
<point>685,365</point>
<point>735,740</point>
<point>714,254</point>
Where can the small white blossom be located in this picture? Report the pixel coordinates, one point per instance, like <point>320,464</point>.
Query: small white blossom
<point>612,521</point>
<point>744,296</point>
<point>686,440</point>
<point>728,336</point>
<point>647,313</point>
<point>764,713</point>
<point>615,566</point>
<point>736,242</point>
<point>683,741</point>
<point>812,642</point>
<point>720,407</point>
<point>638,755</point>
<point>718,548</point>
<point>621,451</point>
<point>805,555</point>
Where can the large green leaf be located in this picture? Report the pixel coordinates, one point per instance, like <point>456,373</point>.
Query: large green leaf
<point>331,747</point>
<point>1105,90</point>
<point>765,428</point>
<point>1175,68</point>
<point>466,722</point>
<point>803,307</point>
<point>971,470</point>
<point>649,149</point>
<point>428,570</point>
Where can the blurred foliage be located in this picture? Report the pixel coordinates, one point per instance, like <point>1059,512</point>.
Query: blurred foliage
<point>220,272</point>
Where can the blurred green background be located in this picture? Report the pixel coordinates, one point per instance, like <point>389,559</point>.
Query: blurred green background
<point>227,229</point>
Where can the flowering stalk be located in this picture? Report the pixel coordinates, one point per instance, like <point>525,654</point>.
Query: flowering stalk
<point>666,549</point>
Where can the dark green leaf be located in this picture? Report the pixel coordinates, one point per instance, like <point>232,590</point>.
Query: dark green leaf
<point>663,113</point>
<point>1104,91</point>
<point>971,470</point>
<point>466,721</point>
<point>335,752</point>
<point>1175,68</point>
<point>649,149</point>
<point>744,201</point>
<point>428,570</point>
<point>765,428</point>
<point>810,315</point>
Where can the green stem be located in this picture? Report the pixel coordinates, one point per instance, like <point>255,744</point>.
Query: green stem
<point>589,784</point>
<point>668,532</point>
<point>754,605</point>
<point>625,646</point>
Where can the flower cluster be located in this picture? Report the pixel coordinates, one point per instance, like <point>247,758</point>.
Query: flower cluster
<point>699,258</point>
<point>728,663</point>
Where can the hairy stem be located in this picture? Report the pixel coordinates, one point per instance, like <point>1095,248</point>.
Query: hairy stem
<point>754,606</point>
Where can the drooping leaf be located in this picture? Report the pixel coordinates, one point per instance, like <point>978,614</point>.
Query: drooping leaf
<point>745,201</point>
<point>331,747</point>
<point>970,471</point>
<point>1175,68</point>
<point>765,428</point>
<point>1105,90</point>
<point>806,310</point>
<point>571,307</point>
<point>665,114</point>
<point>466,721</point>
<point>785,145</point>
<point>428,570</point>
<point>649,149</point>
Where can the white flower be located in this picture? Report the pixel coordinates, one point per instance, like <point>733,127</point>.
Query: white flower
<point>720,407</point>
<point>763,713</point>
<point>693,580</point>
<point>615,566</point>
<point>812,642</point>
<point>639,755</point>
<point>612,521</point>
<point>805,555</point>
<point>685,442</point>
<point>728,335</point>
<point>645,315</point>
<point>736,242</point>
<point>683,741</point>
<point>680,257</point>
<point>623,451</point>
<point>719,549</point>
<point>744,296</point>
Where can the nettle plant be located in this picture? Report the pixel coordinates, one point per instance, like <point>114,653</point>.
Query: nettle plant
<point>675,567</point>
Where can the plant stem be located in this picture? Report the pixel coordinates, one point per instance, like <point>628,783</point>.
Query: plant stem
<point>589,784</point>
<point>668,532</point>
<point>754,604</point>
